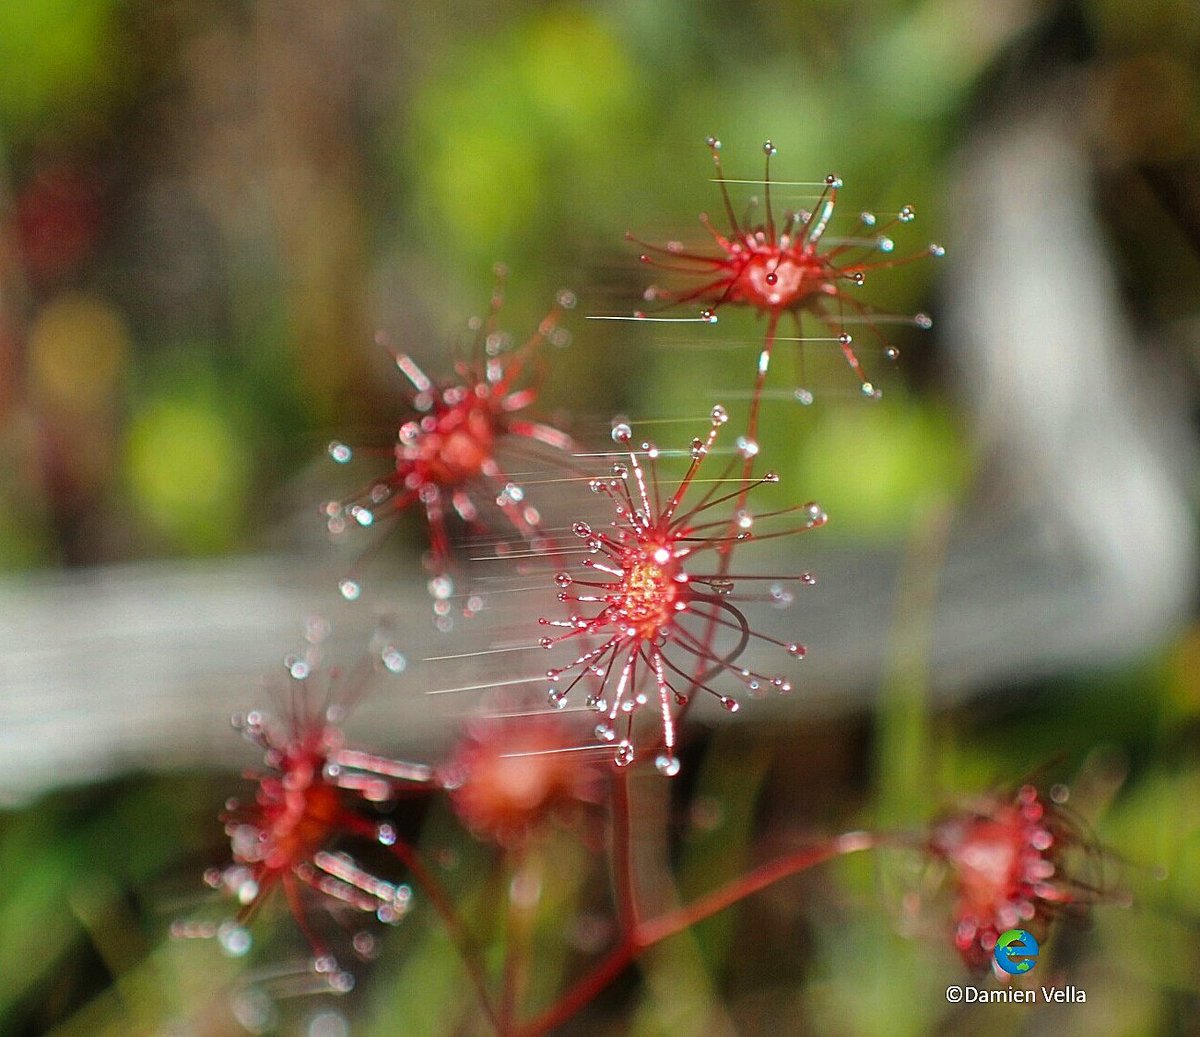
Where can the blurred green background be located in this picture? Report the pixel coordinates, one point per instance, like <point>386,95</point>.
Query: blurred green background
<point>208,209</point>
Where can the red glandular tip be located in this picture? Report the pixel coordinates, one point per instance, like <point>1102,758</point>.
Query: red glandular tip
<point>667,623</point>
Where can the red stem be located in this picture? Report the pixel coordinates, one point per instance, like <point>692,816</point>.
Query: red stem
<point>622,820</point>
<point>655,930</point>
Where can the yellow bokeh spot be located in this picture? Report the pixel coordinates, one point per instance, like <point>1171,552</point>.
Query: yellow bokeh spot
<point>188,472</point>
<point>78,348</point>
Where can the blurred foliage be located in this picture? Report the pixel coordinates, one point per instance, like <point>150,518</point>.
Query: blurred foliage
<point>207,207</point>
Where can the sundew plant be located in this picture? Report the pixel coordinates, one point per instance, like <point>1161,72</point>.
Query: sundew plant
<point>542,518</point>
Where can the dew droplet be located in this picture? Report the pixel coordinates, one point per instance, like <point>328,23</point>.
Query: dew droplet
<point>803,396</point>
<point>772,278</point>
<point>768,148</point>
<point>340,452</point>
<point>923,321</point>
<point>906,214</point>
<point>935,250</point>
<point>719,415</point>
<point>832,180</point>
<point>891,352</point>
<point>797,649</point>
<point>365,945</point>
<point>254,1009</point>
<point>233,939</point>
<point>746,447</point>
<point>869,391</point>
<point>605,732</point>
<point>624,755</point>
<point>621,432</point>
<point>351,589</point>
<point>730,705</point>
<point>566,299</point>
<point>393,659</point>
<point>620,471</point>
<point>386,834</point>
<point>441,588</point>
<point>667,765</point>
<point>867,219</point>
<point>708,316</point>
<point>557,698</point>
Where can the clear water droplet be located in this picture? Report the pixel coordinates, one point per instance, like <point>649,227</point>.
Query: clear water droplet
<point>667,764</point>
<point>558,699</point>
<point>605,732</point>
<point>351,589</point>
<point>923,321</point>
<point>393,659</point>
<point>233,939</point>
<point>386,834</point>
<point>730,705</point>
<point>621,432</point>
<point>803,396</point>
<point>624,755</point>
<point>907,214</point>
<point>340,452</point>
<point>935,250</point>
<point>719,415</point>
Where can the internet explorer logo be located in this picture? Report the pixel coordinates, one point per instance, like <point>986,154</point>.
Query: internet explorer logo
<point>1016,952</point>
